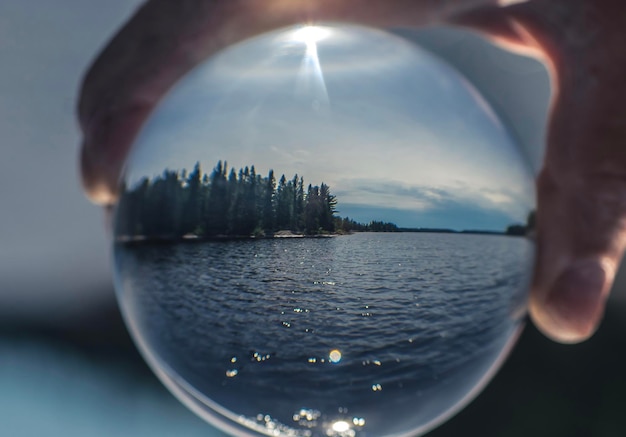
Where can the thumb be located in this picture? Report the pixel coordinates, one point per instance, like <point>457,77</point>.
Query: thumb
<point>580,237</point>
<point>581,214</point>
<point>581,191</point>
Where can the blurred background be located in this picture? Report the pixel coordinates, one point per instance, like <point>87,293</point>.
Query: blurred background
<point>67,364</point>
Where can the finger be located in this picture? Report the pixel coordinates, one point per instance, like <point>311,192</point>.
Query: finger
<point>581,218</point>
<point>500,27</point>
<point>167,38</point>
<point>580,243</point>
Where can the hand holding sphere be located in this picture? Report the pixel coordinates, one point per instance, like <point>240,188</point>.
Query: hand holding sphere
<point>579,195</point>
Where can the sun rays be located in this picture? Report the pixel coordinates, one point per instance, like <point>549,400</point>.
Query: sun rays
<point>311,84</point>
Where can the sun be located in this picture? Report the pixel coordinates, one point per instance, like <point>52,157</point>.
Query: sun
<point>310,35</point>
<point>311,81</point>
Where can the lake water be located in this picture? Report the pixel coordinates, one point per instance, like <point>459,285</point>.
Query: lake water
<point>381,333</point>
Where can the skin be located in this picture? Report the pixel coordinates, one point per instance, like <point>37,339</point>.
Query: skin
<point>581,190</point>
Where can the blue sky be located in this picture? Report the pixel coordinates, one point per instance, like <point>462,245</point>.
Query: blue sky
<point>396,133</point>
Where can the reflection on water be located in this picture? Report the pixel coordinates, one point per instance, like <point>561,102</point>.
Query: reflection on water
<point>363,334</point>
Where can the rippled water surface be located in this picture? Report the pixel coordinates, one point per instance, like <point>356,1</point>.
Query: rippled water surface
<point>298,333</point>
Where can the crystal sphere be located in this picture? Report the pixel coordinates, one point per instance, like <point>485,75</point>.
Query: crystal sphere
<point>322,231</point>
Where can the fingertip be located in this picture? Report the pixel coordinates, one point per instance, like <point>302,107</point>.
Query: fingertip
<point>500,26</point>
<point>571,309</point>
<point>108,139</point>
<point>96,187</point>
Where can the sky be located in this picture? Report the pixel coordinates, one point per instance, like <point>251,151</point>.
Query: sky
<point>396,133</point>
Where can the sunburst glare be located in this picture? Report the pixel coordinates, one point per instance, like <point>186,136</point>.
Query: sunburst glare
<point>310,35</point>
<point>310,77</point>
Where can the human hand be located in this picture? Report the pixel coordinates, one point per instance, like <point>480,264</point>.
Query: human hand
<point>581,189</point>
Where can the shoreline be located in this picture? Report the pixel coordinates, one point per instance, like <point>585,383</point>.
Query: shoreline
<point>192,238</point>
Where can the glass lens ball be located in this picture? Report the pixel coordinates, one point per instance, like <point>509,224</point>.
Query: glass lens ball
<point>322,231</point>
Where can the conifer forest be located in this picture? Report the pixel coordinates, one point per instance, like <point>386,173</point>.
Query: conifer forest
<point>230,204</point>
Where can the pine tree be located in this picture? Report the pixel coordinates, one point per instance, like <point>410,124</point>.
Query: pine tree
<point>218,202</point>
<point>328,208</point>
<point>269,203</point>
<point>299,207</point>
<point>193,201</point>
<point>283,204</point>
<point>249,210</point>
<point>312,210</point>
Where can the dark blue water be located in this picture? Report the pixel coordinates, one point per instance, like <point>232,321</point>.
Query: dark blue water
<point>258,325</point>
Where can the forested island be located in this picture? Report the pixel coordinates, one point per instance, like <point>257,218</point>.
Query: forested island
<point>228,203</point>
<point>241,204</point>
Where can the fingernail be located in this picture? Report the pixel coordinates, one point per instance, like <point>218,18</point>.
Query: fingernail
<point>576,299</point>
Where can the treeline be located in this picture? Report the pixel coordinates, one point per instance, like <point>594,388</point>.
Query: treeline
<point>523,230</point>
<point>348,225</point>
<point>230,203</point>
